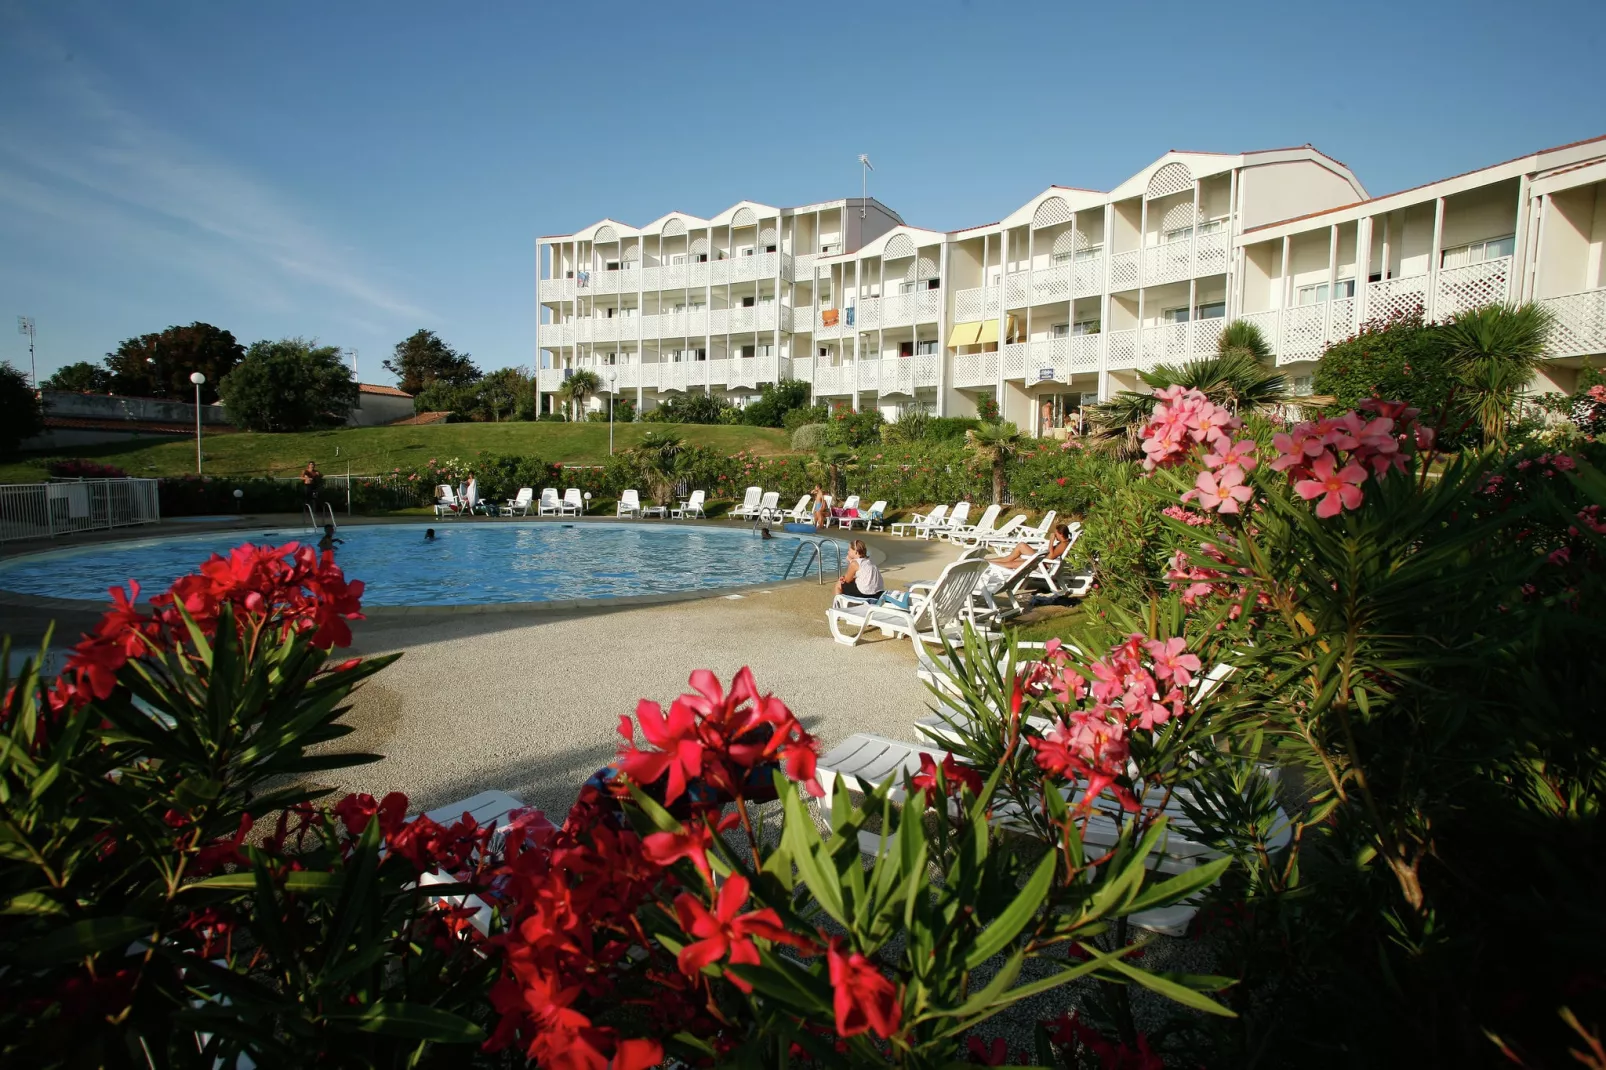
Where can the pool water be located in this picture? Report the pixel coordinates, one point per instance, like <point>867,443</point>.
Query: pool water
<point>466,564</point>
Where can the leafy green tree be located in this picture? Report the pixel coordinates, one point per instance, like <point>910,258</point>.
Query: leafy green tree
<point>290,385</point>
<point>422,359</point>
<point>501,392</point>
<point>82,377</point>
<point>159,365</point>
<point>996,444</point>
<point>1400,358</point>
<point>692,408</point>
<point>20,417</point>
<point>775,402</point>
<point>1496,350</point>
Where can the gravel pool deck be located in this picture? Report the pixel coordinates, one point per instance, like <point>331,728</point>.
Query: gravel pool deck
<point>528,701</point>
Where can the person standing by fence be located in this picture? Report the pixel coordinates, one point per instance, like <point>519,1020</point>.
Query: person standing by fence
<point>311,484</point>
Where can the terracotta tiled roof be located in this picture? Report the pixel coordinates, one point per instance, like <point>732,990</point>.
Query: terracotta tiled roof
<point>386,391</point>
<point>423,418</point>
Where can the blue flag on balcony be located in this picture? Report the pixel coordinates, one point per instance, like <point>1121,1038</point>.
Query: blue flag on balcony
<point>850,315</point>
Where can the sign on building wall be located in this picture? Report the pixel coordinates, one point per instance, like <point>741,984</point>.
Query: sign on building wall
<point>1045,374</point>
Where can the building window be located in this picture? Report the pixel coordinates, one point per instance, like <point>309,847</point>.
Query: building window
<point>1477,252</point>
<point>906,286</point>
<point>926,348</point>
<point>767,349</point>
<point>906,349</point>
<point>1303,384</point>
<point>765,299</point>
<point>1174,315</point>
<point>1211,310</point>
<point>1083,327</point>
<point>1311,295</point>
<point>1060,330</point>
<point>1210,226</point>
<point>747,302</point>
<point>676,259</point>
<point>830,248</point>
<point>933,284</point>
<point>1343,288</point>
<point>1092,252</point>
<point>612,265</point>
<point>702,258</point>
<point>1177,234</point>
<point>769,248</point>
<point>1064,258</point>
<point>746,250</point>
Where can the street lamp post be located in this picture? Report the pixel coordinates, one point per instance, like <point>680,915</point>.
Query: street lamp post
<point>613,377</point>
<point>197,378</point>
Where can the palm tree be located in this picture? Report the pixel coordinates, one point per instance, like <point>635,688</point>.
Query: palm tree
<point>996,444</point>
<point>834,458</point>
<point>1239,376</point>
<point>659,459</point>
<point>1495,350</point>
<point>581,384</point>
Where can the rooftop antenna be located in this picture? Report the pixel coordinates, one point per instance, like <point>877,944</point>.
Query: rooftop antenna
<point>864,187</point>
<point>25,326</point>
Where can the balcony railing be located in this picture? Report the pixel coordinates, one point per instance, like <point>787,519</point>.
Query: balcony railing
<point>1124,270</point>
<point>905,375</point>
<point>977,303</point>
<point>1580,323</point>
<point>975,369</point>
<point>549,380</point>
<point>837,380</point>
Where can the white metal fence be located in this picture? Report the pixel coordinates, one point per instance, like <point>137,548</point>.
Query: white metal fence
<point>43,510</point>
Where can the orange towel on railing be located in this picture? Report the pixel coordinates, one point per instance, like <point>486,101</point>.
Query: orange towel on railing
<point>828,317</point>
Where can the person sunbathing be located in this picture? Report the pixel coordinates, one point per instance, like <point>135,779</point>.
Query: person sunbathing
<point>1059,540</point>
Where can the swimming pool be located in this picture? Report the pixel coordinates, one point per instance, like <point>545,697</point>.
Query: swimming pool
<point>466,564</point>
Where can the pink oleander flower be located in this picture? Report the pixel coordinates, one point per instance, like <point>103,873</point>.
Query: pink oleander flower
<point>1339,488</point>
<point>1240,455</point>
<point>1223,490</point>
<point>1172,661</point>
<point>1597,393</point>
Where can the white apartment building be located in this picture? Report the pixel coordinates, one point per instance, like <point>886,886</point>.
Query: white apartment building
<point>1064,300</point>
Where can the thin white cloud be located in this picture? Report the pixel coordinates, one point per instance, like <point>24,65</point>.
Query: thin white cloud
<point>88,162</point>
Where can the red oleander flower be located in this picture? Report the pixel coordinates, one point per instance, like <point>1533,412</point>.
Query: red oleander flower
<point>666,848</point>
<point>864,1000</point>
<point>726,931</point>
<point>955,776</point>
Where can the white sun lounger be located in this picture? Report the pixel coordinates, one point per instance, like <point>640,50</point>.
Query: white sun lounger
<point>629,504</point>
<point>1029,534</point>
<point>871,518</point>
<point>519,505</point>
<point>973,533</point>
<point>447,503</point>
<point>932,614</point>
<point>749,507</point>
<point>801,512</point>
<point>572,504</point>
<point>769,506</point>
<point>921,522</point>
<point>958,518</point>
<point>551,504</point>
<point>691,507</point>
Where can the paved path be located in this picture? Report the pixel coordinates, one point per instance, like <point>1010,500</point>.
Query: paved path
<point>530,702</point>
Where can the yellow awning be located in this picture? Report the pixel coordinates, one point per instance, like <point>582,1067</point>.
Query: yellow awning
<point>964,334</point>
<point>989,332</point>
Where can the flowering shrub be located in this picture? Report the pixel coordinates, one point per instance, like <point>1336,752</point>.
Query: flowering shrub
<point>78,468</point>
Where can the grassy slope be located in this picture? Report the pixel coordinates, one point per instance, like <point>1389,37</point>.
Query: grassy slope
<point>372,450</point>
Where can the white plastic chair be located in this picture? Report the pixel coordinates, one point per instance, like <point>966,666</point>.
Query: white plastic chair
<point>749,507</point>
<point>519,505</point>
<point>958,518</point>
<point>957,531</point>
<point>691,507</point>
<point>921,522</point>
<point>551,504</point>
<point>447,503</point>
<point>572,504</point>
<point>629,504</point>
<point>802,512</point>
<point>768,506</point>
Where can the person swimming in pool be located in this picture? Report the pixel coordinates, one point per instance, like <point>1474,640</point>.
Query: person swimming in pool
<point>429,534</point>
<point>329,542</point>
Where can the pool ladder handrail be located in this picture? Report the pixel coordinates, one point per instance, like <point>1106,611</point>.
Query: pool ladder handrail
<point>816,549</point>
<point>312,517</point>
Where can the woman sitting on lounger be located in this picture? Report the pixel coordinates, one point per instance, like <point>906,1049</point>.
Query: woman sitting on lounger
<point>862,579</point>
<point>1059,540</point>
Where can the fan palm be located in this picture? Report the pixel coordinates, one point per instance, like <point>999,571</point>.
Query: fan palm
<point>1495,351</point>
<point>659,459</point>
<point>581,384</point>
<point>834,458</point>
<point>997,444</point>
<point>1238,377</point>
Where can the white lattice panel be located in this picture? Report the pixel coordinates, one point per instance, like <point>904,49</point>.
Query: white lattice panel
<point>738,320</point>
<point>605,330</point>
<point>550,380</point>
<point>1167,263</point>
<point>780,368</point>
<point>674,228</point>
<point>698,325</point>
<point>869,374</point>
<point>1304,333</point>
<point>1268,322</point>
<point>1124,270</point>
<point>744,217</point>
<point>1051,212</point>
<point>767,236</point>
<point>1015,359</point>
<point>1341,323</point>
<point>630,278</point>
<point>968,370</point>
<point>898,310</point>
<point>829,380</point>
<point>699,245</point>
<point>1172,178</point>
<point>1210,254</point>
<point>1082,353</point>
<point>1015,290</point>
<point>1123,349</point>
<point>673,376</point>
<point>803,319</point>
<point>1396,297</point>
<point>968,305</point>
<point>926,305</point>
<point>803,267</point>
<point>898,246</point>
<point>1087,277</point>
<point>868,315</point>
<point>800,368</point>
<point>1580,323</point>
<point>1053,284</point>
<point>718,271</point>
<point>648,376</point>
<point>925,369</point>
<point>728,371</point>
<point>552,289</point>
<point>605,234</point>
<point>1474,286</point>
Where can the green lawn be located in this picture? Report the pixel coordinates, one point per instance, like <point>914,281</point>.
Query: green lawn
<point>371,450</point>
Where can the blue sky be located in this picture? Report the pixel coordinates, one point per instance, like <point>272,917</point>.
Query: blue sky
<point>354,171</point>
